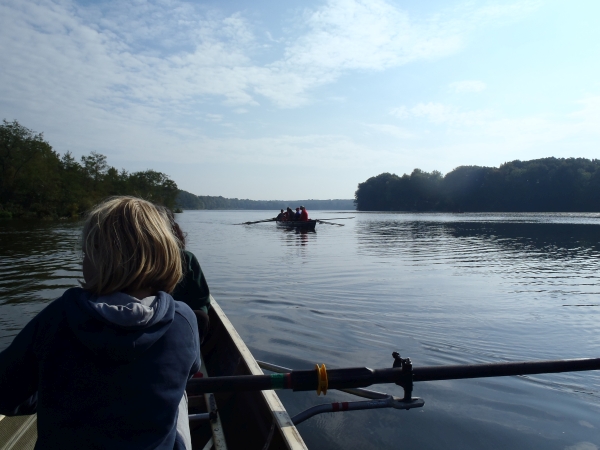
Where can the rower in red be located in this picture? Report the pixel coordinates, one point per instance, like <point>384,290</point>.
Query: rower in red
<point>303,214</point>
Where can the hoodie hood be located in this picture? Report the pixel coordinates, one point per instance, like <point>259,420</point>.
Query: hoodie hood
<point>124,310</point>
<point>119,327</point>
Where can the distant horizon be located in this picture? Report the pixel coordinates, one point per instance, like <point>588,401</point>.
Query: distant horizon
<point>376,175</point>
<point>187,200</point>
<point>272,200</point>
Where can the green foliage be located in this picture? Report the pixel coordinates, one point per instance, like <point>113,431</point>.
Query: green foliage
<point>35,181</point>
<point>185,200</point>
<point>541,185</point>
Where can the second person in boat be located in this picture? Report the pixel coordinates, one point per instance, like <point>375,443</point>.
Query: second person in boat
<point>303,214</point>
<point>289,214</point>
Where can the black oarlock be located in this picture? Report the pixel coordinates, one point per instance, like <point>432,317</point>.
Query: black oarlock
<point>405,378</point>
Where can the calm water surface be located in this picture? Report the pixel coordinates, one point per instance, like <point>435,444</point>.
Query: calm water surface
<point>438,288</point>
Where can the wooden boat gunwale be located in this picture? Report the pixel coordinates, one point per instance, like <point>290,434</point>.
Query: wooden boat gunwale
<point>281,431</point>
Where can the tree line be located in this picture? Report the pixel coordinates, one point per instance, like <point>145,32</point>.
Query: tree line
<point>36,181</point>
<point>540,185</point>
<point>186,200</point>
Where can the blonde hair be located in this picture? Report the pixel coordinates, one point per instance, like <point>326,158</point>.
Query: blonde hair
<point>130,245</point>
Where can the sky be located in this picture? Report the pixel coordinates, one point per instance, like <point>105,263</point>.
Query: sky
<point>303,99</point>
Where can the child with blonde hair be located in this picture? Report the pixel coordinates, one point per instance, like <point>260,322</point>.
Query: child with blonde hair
<point>106,365</point>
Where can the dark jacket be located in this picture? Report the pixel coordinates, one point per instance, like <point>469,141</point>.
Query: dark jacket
<point>95,384</point>
<point>192,289</point>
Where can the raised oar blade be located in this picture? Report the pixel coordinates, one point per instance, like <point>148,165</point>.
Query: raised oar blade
<point>258,221</point>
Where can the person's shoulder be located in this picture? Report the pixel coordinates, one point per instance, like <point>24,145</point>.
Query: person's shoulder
<point>185,312</point>
<point>44,325</point>
<point>62,303</point>
<point>190,258</point>
<point>187,255</point>
<point>183,309</point>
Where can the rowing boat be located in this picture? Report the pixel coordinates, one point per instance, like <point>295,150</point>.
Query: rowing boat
<point>308,225</point>
<point>236,420</point>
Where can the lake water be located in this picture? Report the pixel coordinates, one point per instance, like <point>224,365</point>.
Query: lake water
<point>438,288</point>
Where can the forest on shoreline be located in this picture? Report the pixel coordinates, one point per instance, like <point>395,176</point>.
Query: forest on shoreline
<point>37,182</point>
<point>186,200</point>
<point>540,185</point>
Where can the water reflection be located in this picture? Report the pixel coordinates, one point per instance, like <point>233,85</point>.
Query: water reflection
<point>556,261</point>
<point>39,261</point>
<point>552,240</point>
<point>296,236</point>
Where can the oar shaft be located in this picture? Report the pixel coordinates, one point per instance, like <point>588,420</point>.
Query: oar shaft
<point>435,373</point>
<point>297,380</point>
<point>360,377</point>
<point>197,386</point>
<point>257,221</point>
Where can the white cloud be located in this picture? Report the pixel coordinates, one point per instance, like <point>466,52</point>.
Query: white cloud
<point>582,446</point>
<point>169,56</point>
<point>585,423</point>
<point>392,130</point>
<point>467,86</point>
<point>214,117</point>
<point>439,113</point>
<point>373,35</point>
<point>475,135</point>
<point>401,112</point>
<point>292,150</point>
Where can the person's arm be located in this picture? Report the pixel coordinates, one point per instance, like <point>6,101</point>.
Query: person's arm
<point>189,315</point>
<point>198,361</point>
<point>19,374</point>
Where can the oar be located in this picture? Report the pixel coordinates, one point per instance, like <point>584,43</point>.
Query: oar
<point>258,221</point>
<point>404,375</point>
<point>328,223</point>
<point>337,218</point>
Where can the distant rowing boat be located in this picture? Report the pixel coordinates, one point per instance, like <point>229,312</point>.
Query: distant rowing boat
<point>308,225</point>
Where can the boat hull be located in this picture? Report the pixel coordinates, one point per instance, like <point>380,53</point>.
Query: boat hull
<point>308,225</point>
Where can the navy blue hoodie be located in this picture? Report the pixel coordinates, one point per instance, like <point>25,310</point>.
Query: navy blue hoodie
<point>98,384</point>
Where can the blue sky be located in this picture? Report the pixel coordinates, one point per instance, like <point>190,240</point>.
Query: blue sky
<point>303,99</point>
